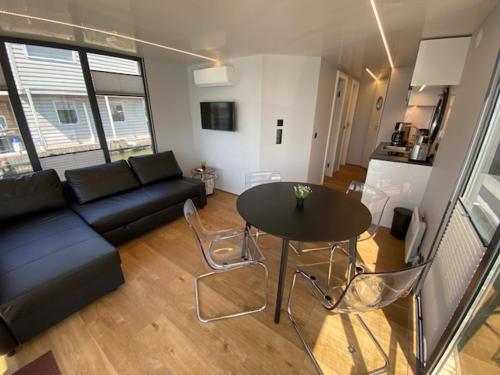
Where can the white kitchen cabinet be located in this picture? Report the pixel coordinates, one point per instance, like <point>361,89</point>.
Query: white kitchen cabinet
<point>440,62</point>
<point>404,183</point>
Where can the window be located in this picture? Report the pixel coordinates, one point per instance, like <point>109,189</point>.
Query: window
<point>66,112</point>
<point>482,195</point>
<point>117,111</point>
<point>56,106</point>
<point>60,117</point>
<point>47,53</point>
<point>126,135</point>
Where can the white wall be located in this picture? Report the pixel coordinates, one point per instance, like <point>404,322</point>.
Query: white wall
<point>395,102</point>
<point>463,119</point>
<point>289,91</point>
<point>326,87</point>
<point>233,153</point>
<point>361,122</point>
<point>169,96</point>
<point>267,88</point>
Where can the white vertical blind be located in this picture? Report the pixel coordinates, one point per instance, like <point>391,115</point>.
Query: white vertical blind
<point>71,161</point>
<point>458,256</point>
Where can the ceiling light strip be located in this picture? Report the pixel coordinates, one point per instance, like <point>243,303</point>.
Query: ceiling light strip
<point>421,88</point>
<point>382,33</point>
<point>112,33</point>
<point>371,73</point>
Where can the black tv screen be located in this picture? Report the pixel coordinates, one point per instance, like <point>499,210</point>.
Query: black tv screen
<point>218,115</point>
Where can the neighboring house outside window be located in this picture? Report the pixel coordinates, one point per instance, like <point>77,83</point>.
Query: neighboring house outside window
<point>117,111</point>
<point>47,53</point>
<point>66,112</point>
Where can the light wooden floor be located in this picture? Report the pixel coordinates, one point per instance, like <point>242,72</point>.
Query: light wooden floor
<point>148,325</point>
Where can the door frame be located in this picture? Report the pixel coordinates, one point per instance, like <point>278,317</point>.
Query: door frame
<point>366,153</point>
<point>340,75</point>
<point>346,134</point>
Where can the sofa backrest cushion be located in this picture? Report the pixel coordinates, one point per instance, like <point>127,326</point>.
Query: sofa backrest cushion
<point>156,167</point>
<point>29,194</point>
<point>101,181</point>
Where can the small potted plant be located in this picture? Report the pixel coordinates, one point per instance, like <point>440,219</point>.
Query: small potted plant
<point>301,193</point>
<point>203,164</point>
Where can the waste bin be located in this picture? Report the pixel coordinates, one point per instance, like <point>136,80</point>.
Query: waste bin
<point>400,222</point>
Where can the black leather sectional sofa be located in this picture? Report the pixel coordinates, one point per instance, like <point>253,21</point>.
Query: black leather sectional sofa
<point>56,239</point>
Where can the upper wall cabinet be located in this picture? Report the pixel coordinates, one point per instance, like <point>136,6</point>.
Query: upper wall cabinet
<point>440,62</point>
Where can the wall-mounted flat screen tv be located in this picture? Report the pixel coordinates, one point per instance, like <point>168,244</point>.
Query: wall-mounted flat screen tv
<point>218,115</point>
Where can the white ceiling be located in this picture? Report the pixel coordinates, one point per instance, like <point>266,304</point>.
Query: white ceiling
<point>343,31</point>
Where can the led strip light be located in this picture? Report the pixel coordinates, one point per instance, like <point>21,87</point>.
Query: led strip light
<point>371,73</point>
<point>111,33</point>
<point>379,24</point>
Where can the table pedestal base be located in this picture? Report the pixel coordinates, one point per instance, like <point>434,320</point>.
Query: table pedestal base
<point>281,282</point>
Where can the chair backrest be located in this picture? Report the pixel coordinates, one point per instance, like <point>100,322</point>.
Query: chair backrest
<point>258,178</point>
<point>202,236</point>
<point>372,291</point>
<point>374,199</point>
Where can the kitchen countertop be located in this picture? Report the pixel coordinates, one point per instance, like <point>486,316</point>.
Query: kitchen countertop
<point>380,154</point>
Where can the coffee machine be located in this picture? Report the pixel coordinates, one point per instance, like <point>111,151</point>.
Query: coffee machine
<point>398,136</point>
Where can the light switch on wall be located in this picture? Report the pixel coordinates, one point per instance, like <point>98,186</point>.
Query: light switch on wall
<point>279,136</point>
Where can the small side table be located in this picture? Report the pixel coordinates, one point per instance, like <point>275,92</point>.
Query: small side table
<point>208,176</point>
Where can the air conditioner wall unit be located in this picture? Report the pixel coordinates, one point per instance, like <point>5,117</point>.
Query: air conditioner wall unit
<point>213,77</point>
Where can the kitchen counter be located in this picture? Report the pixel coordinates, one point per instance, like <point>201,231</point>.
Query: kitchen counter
<point>403,180</point>
<point>399,157</point>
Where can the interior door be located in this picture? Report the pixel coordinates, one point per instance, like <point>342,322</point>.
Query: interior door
<point>353,101</point>
<point>335,122</point>
<point>375,116</point>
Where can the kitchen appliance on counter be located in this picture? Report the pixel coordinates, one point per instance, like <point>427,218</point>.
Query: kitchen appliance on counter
<point>420,149</point>
<point>399,134</point>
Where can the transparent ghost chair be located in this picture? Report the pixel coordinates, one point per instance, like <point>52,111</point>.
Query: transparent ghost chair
<point>367,291</point>
<point>259,178</point>
<point>224,251</point>
<point>374,199</point>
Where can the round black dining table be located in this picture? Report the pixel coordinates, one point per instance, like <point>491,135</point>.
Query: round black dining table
<point>326,216</point>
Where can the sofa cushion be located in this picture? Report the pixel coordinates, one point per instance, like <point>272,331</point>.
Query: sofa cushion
<point>46,259</point>
<point>156,167</point>
<point>109,213</point>
<point>30,194</point>
<point>100,181</point>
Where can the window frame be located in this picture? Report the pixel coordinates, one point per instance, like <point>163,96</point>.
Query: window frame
<point>111,103</point>
<point>26,45</point>
<point>82,56</point>
<point>71,102</point>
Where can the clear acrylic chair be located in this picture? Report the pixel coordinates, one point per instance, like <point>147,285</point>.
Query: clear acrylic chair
<point>374,199</point>
<point>259,178</point>
<point>224,251</point>
<point>367,291</point>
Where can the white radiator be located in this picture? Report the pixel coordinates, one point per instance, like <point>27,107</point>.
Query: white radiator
<point>458,256</point>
